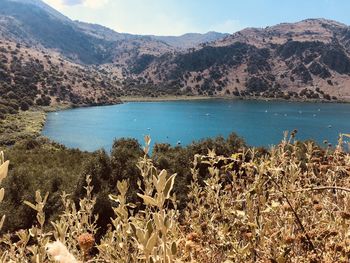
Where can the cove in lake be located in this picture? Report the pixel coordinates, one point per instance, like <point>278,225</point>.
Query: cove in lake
<point>260,123</point>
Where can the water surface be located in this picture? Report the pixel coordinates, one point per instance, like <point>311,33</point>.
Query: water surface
<point>260,123</point>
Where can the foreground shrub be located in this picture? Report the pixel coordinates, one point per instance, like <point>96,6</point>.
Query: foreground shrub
<point>38,164</point>
<point>4,166</point>
<point>290,205</point>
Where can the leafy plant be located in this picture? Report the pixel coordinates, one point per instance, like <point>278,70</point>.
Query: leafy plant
<point>287,205</point>
<point>4,166</point>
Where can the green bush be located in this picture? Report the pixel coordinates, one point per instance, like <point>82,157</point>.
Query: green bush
<point>52,168</point>
<point>24,106</point>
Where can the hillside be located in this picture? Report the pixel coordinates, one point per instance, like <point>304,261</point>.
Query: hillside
<point>89,49</point>
<point>37,24</point>
<point>31,77</point>
<point>304,60</point>
<point>190,40</point>
<point>307,59</point>
<point>34,23</point>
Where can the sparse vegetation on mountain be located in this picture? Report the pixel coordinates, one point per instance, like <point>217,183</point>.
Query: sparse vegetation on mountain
<point>284,59</point>
<point>31,78</point>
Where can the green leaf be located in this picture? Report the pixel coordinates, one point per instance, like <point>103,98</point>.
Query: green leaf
<point>148,200</point>
<point>30,205</point>
<point>38,198</point>
<point>281,259</point>
<point>114,198</point>
<point>169,186</point>
<point>133,229</point>
<point>4,170</point>
<point>161,180</point>
<point>122,186</point>
<point>158,220</point>
<point>173,248</point>
<point>152,241</point>
<point>45,198</point>
<point>147,140</point>
<point>2,193</point>
<point>2,221</point>
<point>149,227</point>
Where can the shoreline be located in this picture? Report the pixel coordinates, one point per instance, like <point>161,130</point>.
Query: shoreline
<point>23,125</point>
<point>126,99</point>
<point>29,124</point>
<point>169,98</point>
<point>193,98</point>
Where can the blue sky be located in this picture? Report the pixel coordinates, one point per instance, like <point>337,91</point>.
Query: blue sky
<point>176,17</point>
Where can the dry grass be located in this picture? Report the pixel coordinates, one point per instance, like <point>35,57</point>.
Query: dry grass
<point>168,98</point>
<point>24,125</point>
<point>289,206</point>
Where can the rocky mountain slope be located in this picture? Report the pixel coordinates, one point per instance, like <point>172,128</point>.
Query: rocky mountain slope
<point>33,22</point>
<point>37,24</point>
<point>306,59</point>
<point>190,40</point>
<point>43,77</point>
<point>30,77</point>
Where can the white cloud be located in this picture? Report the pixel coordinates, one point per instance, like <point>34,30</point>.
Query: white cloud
<point>228,26</point>
<point>94,4</point>
<point>158,24</point>
<point>152,17</point>
<point>57,4</point>
<point>62,4</point>
<point>136,16</point>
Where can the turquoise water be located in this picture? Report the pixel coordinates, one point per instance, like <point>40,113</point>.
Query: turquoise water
<point>260,123</point>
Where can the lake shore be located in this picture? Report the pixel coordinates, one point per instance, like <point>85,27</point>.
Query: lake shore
<point>192,98</point>
<point>260,123</point>
<point>169,98</point>
<point>29,124</point>
<point>23,125</point>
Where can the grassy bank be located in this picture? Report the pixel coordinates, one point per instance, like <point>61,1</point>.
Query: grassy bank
<point>57,107</point>
<point>24,125</point>
<point>168,98</point>
<point>228,97</point>
<point>27,124</point>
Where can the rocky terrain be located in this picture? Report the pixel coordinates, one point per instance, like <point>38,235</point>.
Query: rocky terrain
<point>190,40</point>
<point>30,77</point>
<point>48,59</point>
<point>308,59</point>
<point>54,59</point>
<point>34,23</point>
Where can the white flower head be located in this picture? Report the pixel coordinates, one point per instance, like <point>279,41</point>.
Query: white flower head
<point>60,253</point>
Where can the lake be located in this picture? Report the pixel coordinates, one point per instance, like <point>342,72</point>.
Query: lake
<point>260,123</point>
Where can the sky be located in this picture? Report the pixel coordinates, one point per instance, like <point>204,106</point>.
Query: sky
<point>176,17</point>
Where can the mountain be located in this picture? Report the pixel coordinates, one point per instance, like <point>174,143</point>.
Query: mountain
<point>307,59</point>
<point>31,77</point>
<point>34,23</point>
<point>48,59</point>
<point>190,40</point>
<point>40,27</point>
<point>40,4</point>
